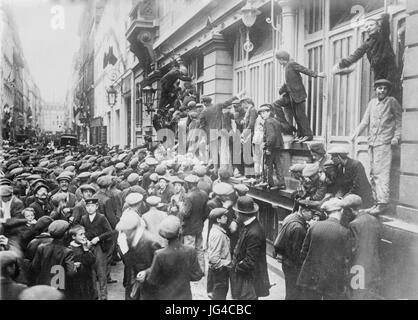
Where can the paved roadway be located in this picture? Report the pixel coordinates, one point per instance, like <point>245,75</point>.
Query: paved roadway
<point>277,292</point>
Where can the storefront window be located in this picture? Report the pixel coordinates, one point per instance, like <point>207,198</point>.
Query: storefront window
<point>314,14</point>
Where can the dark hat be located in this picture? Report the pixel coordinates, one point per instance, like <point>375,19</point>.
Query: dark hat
<point>43,222</point>
<point>384,82</point>
<point>58,228</point>
<point>87,187</point>
<point>217,213</point>
<point>39,186</point>
<point>91,201</point>
<point>317,148</point>
<point>13,223</point>
<point>246,205</point>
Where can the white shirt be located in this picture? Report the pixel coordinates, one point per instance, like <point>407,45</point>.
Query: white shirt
<point>91,217</point>
<point>6,209</point>
<point>246,223</point>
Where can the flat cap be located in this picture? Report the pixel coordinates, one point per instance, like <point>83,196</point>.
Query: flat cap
<point>264,107</point>
<point>128,221</point>
<point>58,228</point>
<point>161,169</point>
<point>91,201</point>
<point>120,166</point>
<point>338,149</point>
<point>144,166</point>
<point>223,189</point>
<point>95,175</point>
<point>310,169</point>
<point>39,186</point>
<point>217,213</point>
<point>169,228</point>
<point>200,170</point>
<point>133,178</point>
<point>133,198</point>
<point>154,176</point>
<point>104,181</point>
<point>352,201</point>
<point>85,166</point>
<point>134,162</point>
<point>88,187</point>
<point>6,191</point>
<point>317,148</point>
<point>297,167</point>
<point>64,176</point>
<point>241,189</point>
<point>166,178</point>
<point>333,204</point>
<point>151,161</point>
<point>224,173</point>
<point>84,175</point>
<point>383,82</point>
<point>176,179</point>
<point>109,170</point>
<point>153,200</point>
<point>191,178</point>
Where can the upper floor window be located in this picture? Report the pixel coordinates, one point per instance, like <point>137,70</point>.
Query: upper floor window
<point>314,15</point>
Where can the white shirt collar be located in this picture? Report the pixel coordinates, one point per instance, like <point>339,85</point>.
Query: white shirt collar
<point>92,216</point>
<point>246,223</point>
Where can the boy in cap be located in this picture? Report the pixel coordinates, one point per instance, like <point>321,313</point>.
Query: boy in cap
<point>177,198</point>
<point>81,286</point>
<point>100,234</point>
<point>294,94</point>
<point>383,119</point>
<point>326,252</point>
<point>54,258</point>
<point>174,266</point>
<point>87,191</point>
<point>219,255</point>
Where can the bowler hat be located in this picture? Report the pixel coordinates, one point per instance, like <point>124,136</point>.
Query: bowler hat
<point>246,205</point>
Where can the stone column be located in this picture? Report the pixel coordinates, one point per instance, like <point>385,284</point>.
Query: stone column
<point>218,73</point>
<point>407,208</point>
<point>288,39</point>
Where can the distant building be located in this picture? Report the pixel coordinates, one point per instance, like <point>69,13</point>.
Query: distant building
<point>53,117</point>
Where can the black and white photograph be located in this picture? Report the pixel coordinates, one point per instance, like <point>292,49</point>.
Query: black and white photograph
<point>209,150</point>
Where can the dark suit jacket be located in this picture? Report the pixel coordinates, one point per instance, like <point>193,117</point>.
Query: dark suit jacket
<point>99,227</point>
<point>172,270</point>
<point>272,134</point>
<point>107,207</point>
<point>366,232</point>
<point>194,213</point>
<point>213,118</point>
<point>16,207</point>
<point>326,252</point>
<point>249,263</point>
<point>293,81</point>
<point>354,180</point>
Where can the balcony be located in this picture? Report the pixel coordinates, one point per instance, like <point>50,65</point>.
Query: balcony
<point>142,30</point>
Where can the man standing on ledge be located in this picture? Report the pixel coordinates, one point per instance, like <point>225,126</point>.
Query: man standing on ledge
<point>383,118</point>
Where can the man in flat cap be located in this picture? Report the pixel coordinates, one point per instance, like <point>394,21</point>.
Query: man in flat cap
<point>193,215</point>
<point>71,200</point>
<point>152,163</point>
<point>42,204</point>
<point>10,205</point>
<point>101,235</point>
<point>383,119</point>
<point>174,266</point>
<point>219,255</point>
<point>54,258</point>
<point>138,247</point>
<point>351,176</point>
<point>164,191</point>
<point>87,191</point>
<point>326,251</point>
<point>366,231</point>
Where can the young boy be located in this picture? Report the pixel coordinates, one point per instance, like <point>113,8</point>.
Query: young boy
<point>293,100</point>
<point>29,215</point>
<point>99,233</point>
<point>81,285</point>
<point>219,255</point>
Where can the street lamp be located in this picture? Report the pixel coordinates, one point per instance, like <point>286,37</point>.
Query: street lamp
<point>147,96</point>
<point>111,96</point>
<point>249,15</point>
